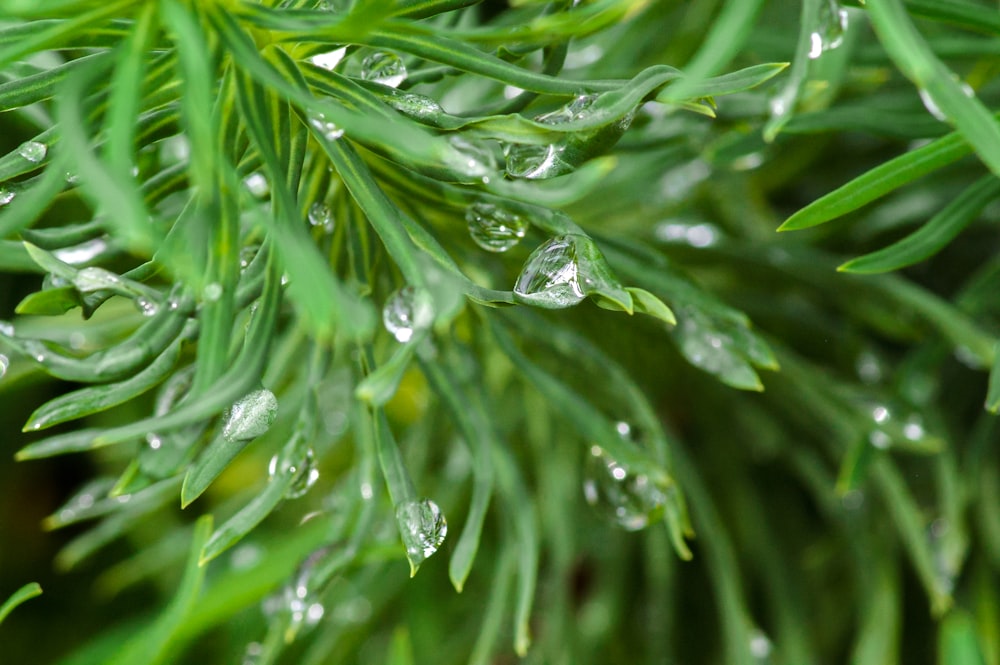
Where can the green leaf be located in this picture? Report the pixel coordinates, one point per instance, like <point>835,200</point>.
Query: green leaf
<point>957,641</point>
<point>647,303</point>
<point>880,181</point>
<point>87,401</point>
<point>27,592</point>
<point>914,58</point>
<point>248,517</point>
<point>933,236</point>
<point>993,392</point>
<point>50,302</point>
<point>381,384</point>
<point>154,644</point>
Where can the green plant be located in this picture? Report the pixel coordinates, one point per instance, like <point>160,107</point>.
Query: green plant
<point>232,193</point>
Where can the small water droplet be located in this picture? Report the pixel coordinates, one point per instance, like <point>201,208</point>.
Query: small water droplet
<point>325,126</point>
<point>423,528</point>
<point>147,307</point>
<point>154,441</point>
<point>330,59</point>
<point>760,646</point>
<point>72,178</point>
<point>550,277</point>
<point>696,235</point>
<point>932,106</point>
<point>6,195</point>
<point>175,150</point>
<point>869,367</point>
<point>475,157</point>
<point>633,501</point>
<point>212,292</point>
<point>247,255</point>
<point>385,68</point>
<point>85,498</point>
<point>6,328</point>
<point>493,228</point>
<point>257,184</point>
<point>252,654</point>
<point>320,215</point>
<point>299,599</point>
<point>879,439</point>
<point>913,428</point>
<point>880,414</point>
<point>4,364</point>
<point>246,556</point>
<point>250,416</point>
<point>304,472</point>
<point>33,151</point>
<point>92,279</point>
<point>406,311</point>
<point>366,491</point>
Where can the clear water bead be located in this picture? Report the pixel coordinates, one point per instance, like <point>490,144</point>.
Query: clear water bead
<point>330,59</point>
<point>6,195</point>
<point>326,127</point>
<point>407,311</point>
<point>493,228</point>
<point>550,277</point>
<point>632,501</point>
<point>415,105</point>
<point>147,307</point>
<point>829,33</point>
<point>4,364</point>
<point>385,68</point>
<point>257,184</point>
<point>212,292</point>
<point>95,279</point>
<point>474,158</point>
<point>304,473</point>
<point>33,151</point>
<point>250,416</point>
<point>423,528</point>
<point>321,216</point>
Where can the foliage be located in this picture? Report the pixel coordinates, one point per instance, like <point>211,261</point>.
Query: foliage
<point>208,206</point>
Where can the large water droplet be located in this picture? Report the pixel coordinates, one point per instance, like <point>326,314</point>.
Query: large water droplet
<point>385,68</point>
<point>493,228</point>
<point>6,195</point>
<point>475,158</point>
<point>304,473</point>
<point>250,416</point>
<point>423,528</point>
<point>320,215</point>
<point>415,105</point>
<point>33,151</point>
<point>257,184</point>
<point>535,162</point>
<point>406,311</point>
<point>95,279</point>
<point>633,501</point>
<point>829,33</point>
<point>330,59</point>
<point>550,277</point>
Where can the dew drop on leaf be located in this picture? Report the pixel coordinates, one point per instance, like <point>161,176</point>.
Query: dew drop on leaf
<point>385,68</point>
<point>632,501</point>
<point>4,364</point>
<point>250,416</point>
<point>550,277</point>
<point>321,216</point>
<point>406,311</point>
<point>94,279</point>
<point>304,472</point>
<point>830,29</point>
<point>494,228</point>
<point>33,151</point>
<point>423,528</point>
<point>6,195</point>
<point>330,59</point>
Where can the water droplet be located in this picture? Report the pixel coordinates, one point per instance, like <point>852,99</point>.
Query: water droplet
<point>475,158</point>
<point>304,472</point>
<point>633,501</point>
<point>246,556</point>
<point>879,439</point>
<point>545,161</point>
<point>325,126</point>
<point>154,441</point>
<point>330,59</point>
<point>423,528</point>
<point>147,307</point>
<point>212,292</point>
<point>493,228</point>
<point>6,195</point>
<point>4,364</point>
<point>367,492</point>
<point>175,150</point>
<point>760,646</point>
<point>829,33</point>
<point>250,416</point>
<point>696,235</point>
<point>253,653</point>
<point>385,68</point>
<point>711,346</point>
<point>94,279</point>
<point>84,498</point>
<point>300,599</point>
<point>6,328</point>
<point>913,428</point>
<point>247,255</point>
<point>550,277</point>
<point>320,215</point>
<point>72,178</point>
<point>257,184</point>
<point>85,252</point>
<point>581,57</point>
<point>869,367</point>
<point>880,414</point>
<point>932,106</point>
<point>678,183</point>
<point>415,105</point>
<point>33,151</point>
<point>407,311</point>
